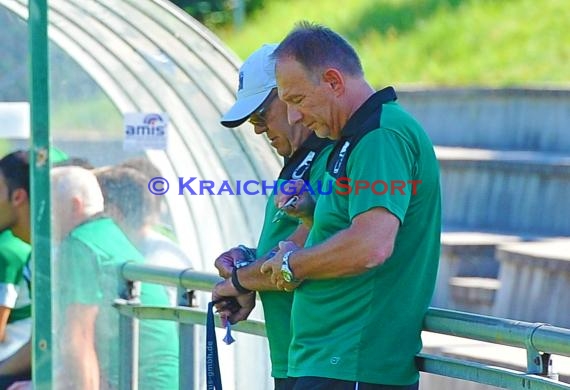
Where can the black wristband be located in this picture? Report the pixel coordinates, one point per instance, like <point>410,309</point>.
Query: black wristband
<point>241,289</point>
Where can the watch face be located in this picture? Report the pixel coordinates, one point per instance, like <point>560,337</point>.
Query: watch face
<point>286,275</point>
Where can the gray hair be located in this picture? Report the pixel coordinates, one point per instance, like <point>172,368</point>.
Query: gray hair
<point>72,181</point>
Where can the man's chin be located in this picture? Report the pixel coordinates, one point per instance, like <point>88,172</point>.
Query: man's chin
<point>282,152</point>
<point>321,133</point>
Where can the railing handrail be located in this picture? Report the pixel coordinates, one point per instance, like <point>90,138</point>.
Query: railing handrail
<point>540,340</point>
<point>543,337</point>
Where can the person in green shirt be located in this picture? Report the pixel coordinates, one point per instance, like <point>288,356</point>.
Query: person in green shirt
<point>91,250</point>
<point>15,323</point>
<point>15,215</point>
<point>365,278</point>
<point>305,157</point>
<point>137,212</point>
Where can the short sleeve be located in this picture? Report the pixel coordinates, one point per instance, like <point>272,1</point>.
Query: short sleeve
<point>78,274</point>
<point>10,273</point>
<point>380,171</point>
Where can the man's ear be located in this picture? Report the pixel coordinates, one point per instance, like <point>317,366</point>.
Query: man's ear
<point>76,205</point>
<point>20,197</point>
<point>334,79</point>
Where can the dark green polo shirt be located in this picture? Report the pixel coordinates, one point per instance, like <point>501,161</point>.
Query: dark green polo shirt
<point>367,327</point>
<point>277,304</point>
<point>14,292</point>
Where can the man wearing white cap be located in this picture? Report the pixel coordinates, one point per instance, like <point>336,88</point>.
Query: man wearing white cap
<point>305,158</point>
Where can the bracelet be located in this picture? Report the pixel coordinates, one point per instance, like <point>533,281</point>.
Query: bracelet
<point>249,257</point>
<point>241,289</point>
<point>249,252</point>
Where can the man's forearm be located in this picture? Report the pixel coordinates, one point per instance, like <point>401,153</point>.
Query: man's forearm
<point>83,368</point>
<point>251,277</point>
<point>367,243</point>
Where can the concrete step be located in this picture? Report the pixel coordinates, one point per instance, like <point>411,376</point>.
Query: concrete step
<point>505,190</point>
<point>473,294</point>
<point>479,351</point>
<point>511,118</point>
<point>534,278</point>
<point>467,254</point>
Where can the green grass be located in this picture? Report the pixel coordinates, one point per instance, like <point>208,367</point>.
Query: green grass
<point>494,43</point>
<point>86,117</point>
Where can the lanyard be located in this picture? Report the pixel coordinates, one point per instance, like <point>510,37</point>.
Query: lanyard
<point>213,377</point>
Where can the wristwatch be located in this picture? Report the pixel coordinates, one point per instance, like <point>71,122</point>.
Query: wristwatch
<point>286,271</point>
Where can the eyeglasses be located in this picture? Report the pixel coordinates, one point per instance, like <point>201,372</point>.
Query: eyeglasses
<point>258,117</point>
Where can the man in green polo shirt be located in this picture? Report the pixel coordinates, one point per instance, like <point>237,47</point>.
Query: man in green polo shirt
<point>15,322</point>
<point>14,215</point>
<point>87,280</point>
<point>305,158</point>
<point>365,279</point>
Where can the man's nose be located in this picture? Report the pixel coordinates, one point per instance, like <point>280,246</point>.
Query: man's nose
<point>293,115</point>
<point>260,129</point>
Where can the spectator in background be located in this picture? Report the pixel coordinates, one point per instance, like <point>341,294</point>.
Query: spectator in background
<point>137,212</point>
<point>90,254</point>
<point>15,215</point>
<point>15,304</point>
<point>149,170</point>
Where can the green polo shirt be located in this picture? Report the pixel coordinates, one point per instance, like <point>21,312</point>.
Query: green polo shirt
<point>367,327</point>
<point>14,292</point>
<point>277,304</point>
<point>88,273</point>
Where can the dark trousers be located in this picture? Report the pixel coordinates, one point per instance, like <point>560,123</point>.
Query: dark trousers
<point>317,383</point>
<point>284,383</point>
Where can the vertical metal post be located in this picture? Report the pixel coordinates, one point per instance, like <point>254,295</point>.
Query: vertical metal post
<point>40,210</point>
<point>186,346</point>
<point>538,363</point>
<point>129,341</point>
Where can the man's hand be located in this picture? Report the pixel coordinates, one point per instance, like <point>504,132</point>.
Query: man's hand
<point>246,304</point>
<point>272,267</point>
<point>303,207</point>
<point>226,261</point>
<point>234,307</point>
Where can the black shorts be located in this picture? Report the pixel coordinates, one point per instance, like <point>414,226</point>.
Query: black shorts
<point>285,383</point>
<point>317,383</point>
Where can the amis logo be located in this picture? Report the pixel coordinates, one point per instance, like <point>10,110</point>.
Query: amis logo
<point>151,125</point>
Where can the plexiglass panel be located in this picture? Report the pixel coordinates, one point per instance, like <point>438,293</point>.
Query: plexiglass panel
<point>136,92</point>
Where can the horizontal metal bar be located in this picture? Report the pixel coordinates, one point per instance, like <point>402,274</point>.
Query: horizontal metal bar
<point>186,278</point>
<point>543,337</point>
<point>185,315</point>
<point>489,375</point>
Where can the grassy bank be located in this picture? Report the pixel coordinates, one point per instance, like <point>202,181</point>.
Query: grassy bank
<point>432,42</point>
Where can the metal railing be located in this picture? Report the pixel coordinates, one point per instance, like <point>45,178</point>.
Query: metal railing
<point>539,340</point>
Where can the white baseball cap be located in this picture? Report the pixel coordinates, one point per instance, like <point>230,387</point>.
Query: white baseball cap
<point>256,81</point>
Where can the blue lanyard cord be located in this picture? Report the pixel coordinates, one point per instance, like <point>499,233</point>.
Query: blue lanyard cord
<point>213,376</point>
